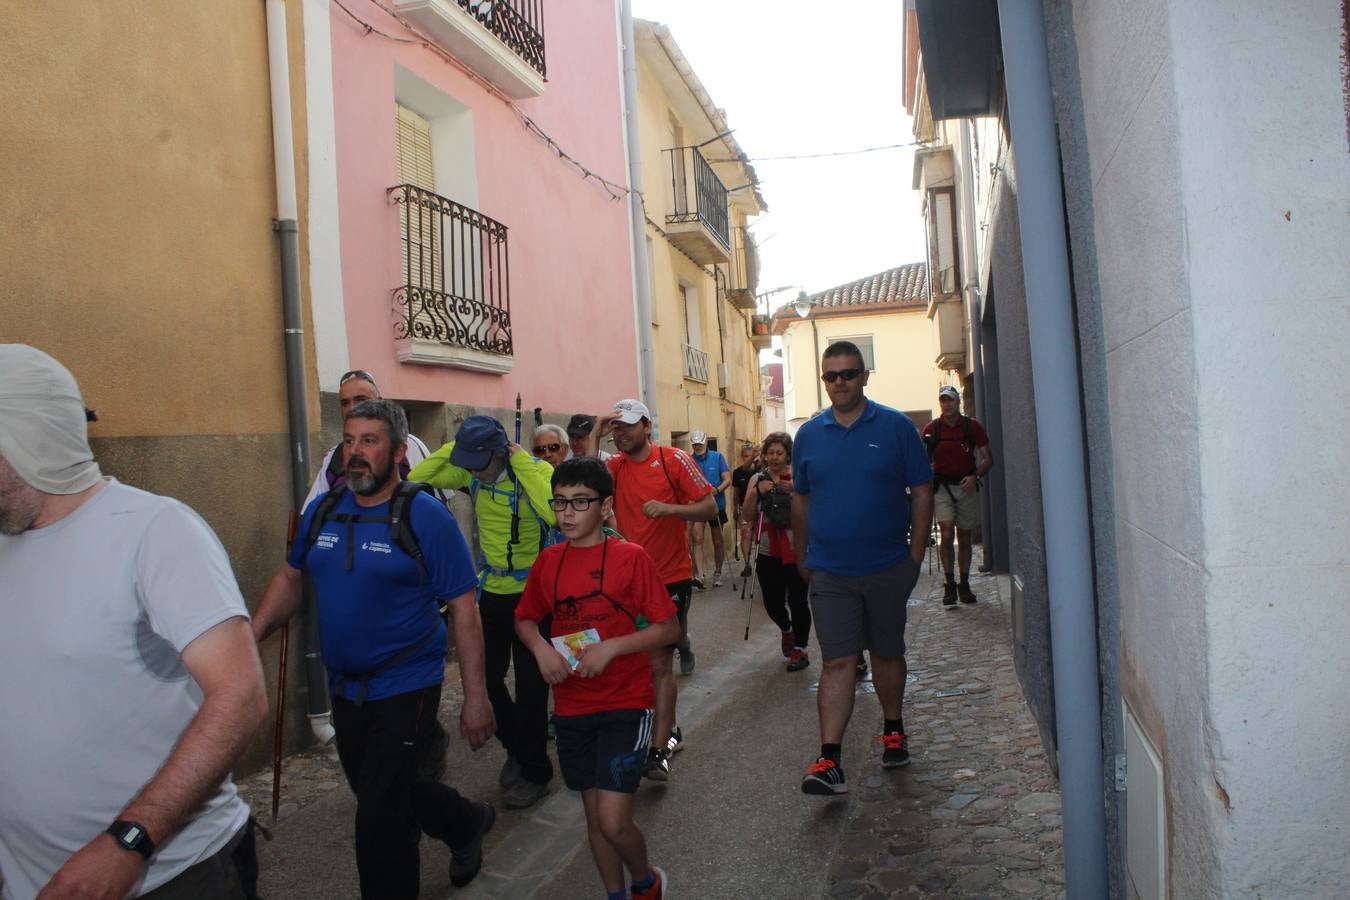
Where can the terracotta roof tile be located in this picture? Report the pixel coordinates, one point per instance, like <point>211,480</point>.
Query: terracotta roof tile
<point>907,285</point>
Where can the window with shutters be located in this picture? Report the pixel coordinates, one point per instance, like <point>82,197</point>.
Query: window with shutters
<point>453,293</point>
<point>422,264</point>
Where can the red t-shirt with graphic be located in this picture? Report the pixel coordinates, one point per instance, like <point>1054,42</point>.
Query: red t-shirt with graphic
<point>954,456</point>
<point>667,475</point>
<point>566,582</point>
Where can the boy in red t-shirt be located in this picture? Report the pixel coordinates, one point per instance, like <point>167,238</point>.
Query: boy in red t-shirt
<point>604,607</point>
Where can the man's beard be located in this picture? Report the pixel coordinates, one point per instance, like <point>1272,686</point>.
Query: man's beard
<point>369,483</point>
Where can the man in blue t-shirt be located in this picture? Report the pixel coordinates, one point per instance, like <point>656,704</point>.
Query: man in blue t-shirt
<point>851,523</point>
<point>718,474</point>
<point>383,642</point>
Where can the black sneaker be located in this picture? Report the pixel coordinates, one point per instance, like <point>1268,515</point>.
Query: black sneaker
<point>699,582</point>
<point>675,743</point>
<point>895,752</point>
<point>686,660</point>
<point>949,594</point>
<point>658,766</point>
<point>798,660</point>
<point>466,861</point>
<point>824,777</point>
<point>967,595</point>
<point>861,671</point>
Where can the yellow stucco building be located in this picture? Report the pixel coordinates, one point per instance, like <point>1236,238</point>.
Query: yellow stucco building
<point>699,193</point>
<point>885,315</point>
<point>137,247</point>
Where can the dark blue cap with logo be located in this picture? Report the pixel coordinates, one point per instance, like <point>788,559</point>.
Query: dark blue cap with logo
<point>478,439</point>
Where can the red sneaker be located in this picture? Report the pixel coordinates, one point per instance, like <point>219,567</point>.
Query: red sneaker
<point>657,891</point>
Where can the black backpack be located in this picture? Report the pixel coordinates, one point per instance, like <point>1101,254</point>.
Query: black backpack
<point>776,503</point>
<point>399,519</point>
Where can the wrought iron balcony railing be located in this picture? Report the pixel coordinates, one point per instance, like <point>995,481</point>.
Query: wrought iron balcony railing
<point>697,192</point>
<point>456,274</point>
<point>518,23</point>
<point>695,364</point>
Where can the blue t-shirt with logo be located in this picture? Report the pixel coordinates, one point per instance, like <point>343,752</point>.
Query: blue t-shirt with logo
<point>712,464</point>
<point>384,604</point>
<point>856,476</point>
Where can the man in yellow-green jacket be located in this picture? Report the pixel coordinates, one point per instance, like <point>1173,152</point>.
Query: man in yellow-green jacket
<point>510,491</point>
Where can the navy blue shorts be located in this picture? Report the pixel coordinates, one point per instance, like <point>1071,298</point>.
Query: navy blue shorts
<point>604,750</point>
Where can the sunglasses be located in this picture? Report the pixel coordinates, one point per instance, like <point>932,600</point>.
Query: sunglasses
<point>547,448</point>
<point>580,504</point>
<point>846,374</point>
<point>356,373</point>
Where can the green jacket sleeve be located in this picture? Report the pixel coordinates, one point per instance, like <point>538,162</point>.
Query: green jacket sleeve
<point>536,477</point>
<point>437,471</point>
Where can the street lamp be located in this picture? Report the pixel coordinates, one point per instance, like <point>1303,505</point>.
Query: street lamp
<point>802,304</point>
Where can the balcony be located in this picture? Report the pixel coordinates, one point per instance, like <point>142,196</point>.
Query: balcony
<point>695,364</point>
<point>744,266</point>
<point>502,40</point>
<point>455,300</point>
<point>761,337</point>
<point>949,333</point>
<point>697,223</point>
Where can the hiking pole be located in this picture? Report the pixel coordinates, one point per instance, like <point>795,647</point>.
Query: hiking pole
<point>291,525</point>
<point>750,607</point>
<point>517,418</point>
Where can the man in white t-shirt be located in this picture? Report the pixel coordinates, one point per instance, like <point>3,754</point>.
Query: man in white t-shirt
<point>129,678</point>
<point>358,386</point>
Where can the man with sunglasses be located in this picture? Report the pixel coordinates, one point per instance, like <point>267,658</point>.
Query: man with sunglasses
<point>358,386</point>
<point>852,524</point>
<point>961,456</point>
<point>656,491</point>
<point>550,445</point>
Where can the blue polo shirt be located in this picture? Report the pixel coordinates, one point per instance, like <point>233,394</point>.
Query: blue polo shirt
<point>712,464</point>
<point>383,604</point>
<point>856,476</point>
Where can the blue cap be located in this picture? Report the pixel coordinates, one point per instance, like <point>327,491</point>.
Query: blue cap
<point>478,439</point>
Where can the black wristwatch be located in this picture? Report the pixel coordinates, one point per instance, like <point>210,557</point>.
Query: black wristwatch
<point>132,836</point>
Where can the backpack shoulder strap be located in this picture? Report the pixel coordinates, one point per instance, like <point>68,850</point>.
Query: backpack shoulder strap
<point>323,513</point>
<point>935,437</point>
<point>400,520</point>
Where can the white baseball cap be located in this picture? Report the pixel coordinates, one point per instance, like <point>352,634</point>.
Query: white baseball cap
<point>632,412</point>
<point>949,390</point>
<point>698,437</point>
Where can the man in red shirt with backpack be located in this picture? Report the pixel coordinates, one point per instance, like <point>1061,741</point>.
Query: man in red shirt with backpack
<point>960,452</point>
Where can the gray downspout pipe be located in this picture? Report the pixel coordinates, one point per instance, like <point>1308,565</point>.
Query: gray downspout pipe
<point>1059,430</point>
<point>637,217</point>
<point>293,332</point>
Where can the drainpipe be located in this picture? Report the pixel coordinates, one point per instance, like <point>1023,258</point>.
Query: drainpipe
<point>974,312</point>
<point>815,343</point>
<point>293,338</point>
<point>1059,434</point>
<point>637,218</point>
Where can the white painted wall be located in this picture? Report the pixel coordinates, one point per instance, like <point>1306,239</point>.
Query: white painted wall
<point>1265,172</point>
<point>1224,321</point>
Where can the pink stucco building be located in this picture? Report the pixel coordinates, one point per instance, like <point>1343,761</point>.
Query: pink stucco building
<point>454,254</point>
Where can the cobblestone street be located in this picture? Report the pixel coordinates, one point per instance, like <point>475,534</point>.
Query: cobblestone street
<point>977,812</point>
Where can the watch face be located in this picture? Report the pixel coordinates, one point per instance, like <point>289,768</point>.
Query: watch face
<point>132,834</point>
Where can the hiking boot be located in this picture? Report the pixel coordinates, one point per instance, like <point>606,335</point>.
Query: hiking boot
<point>658,765</point>
<point>675,742</point>
<point>824,777</point>
<point>467,860</point>
<point>797,660</point>
<point>745,573</point>
<point>895,750</point>
<point>949,594</point>
<point>686,660</point>
<point>657,890</point>
<point>789,641</point>
<point>966,594</point>
<point>524,794</point>
<point>509,774</point>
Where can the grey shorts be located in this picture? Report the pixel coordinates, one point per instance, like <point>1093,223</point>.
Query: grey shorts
<point>863,612</point>
<point>951,504</point>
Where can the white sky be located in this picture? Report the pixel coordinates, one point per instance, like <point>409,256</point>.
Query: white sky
<point>794,78</point>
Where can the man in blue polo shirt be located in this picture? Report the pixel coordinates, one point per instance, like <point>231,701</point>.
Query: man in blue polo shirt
<point>851,523</point>
<point>383,641</point>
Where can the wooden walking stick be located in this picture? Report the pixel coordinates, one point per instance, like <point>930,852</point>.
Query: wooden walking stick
<point>291,525</point>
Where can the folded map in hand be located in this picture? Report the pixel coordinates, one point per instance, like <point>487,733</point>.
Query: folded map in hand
<point>569,645</point>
